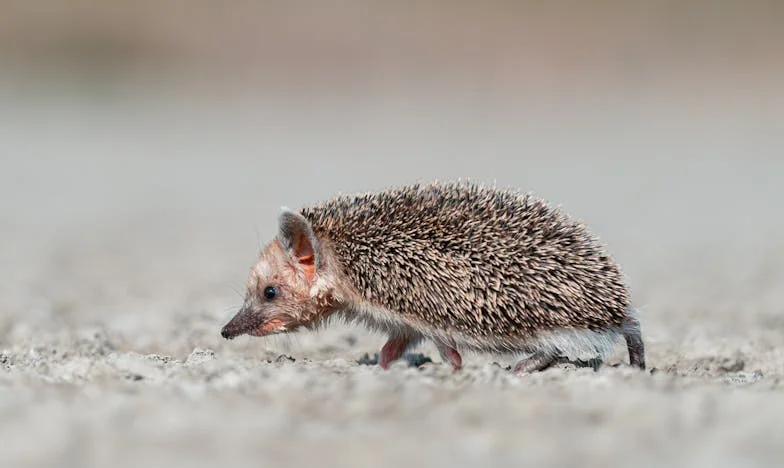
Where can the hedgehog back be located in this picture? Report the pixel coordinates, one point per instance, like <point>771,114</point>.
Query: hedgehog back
<point>482,261</point>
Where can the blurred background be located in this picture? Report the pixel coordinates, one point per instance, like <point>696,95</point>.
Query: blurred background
<point>146,146</point>
<point>175,129</point>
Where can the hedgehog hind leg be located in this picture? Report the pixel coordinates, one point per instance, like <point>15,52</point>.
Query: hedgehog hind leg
<point>631,333</point>
<point>538,361</point>
<point>542,360</point>
<point>580,347</point>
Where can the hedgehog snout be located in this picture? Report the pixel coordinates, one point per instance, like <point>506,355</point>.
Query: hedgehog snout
<point>245,321</point>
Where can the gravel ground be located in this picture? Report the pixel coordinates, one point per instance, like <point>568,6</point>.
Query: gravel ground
<point>128,229</point>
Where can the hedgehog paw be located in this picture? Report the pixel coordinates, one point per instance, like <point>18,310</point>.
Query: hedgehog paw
<point>451,355</point>
<point>393,350</point>
<point>534,363</point>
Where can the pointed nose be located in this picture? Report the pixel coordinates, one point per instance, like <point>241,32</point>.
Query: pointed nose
<point>233,329</point>
<point>243,322</point>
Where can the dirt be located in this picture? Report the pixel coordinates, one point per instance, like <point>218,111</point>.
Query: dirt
<point>128,229</point>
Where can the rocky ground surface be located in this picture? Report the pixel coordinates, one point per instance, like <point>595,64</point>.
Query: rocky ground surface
<point>128,229</point>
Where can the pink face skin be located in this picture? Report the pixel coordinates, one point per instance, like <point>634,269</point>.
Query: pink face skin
<point>279,298</point>
<point>291,287</point>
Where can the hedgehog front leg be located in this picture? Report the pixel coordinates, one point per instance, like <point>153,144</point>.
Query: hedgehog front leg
<point>394,348</point>
<point>448,351</point>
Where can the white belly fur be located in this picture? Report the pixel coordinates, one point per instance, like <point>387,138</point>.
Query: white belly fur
<point>573,343</point>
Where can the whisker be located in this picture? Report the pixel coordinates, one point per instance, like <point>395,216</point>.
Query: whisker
<point>258,237</point>
<point>247,343</point>
<point>230,311</point>
<point>234,289</point>
<point>296,338</point>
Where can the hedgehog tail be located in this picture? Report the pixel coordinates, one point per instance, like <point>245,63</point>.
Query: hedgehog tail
<point>631,333</point>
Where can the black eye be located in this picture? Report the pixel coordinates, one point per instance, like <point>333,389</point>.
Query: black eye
<point>270,292</point>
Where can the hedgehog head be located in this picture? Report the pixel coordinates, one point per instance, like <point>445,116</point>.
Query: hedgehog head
<point>286,288</point>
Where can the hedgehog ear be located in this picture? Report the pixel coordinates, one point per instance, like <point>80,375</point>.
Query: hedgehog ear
<point>296,235</point>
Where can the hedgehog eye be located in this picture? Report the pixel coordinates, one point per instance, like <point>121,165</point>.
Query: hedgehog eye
<point>270,292</point>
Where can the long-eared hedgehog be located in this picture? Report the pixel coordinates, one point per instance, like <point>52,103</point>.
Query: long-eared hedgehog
<point>464,265</point>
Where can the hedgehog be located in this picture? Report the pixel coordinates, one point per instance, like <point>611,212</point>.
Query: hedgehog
<point>464,265</point>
